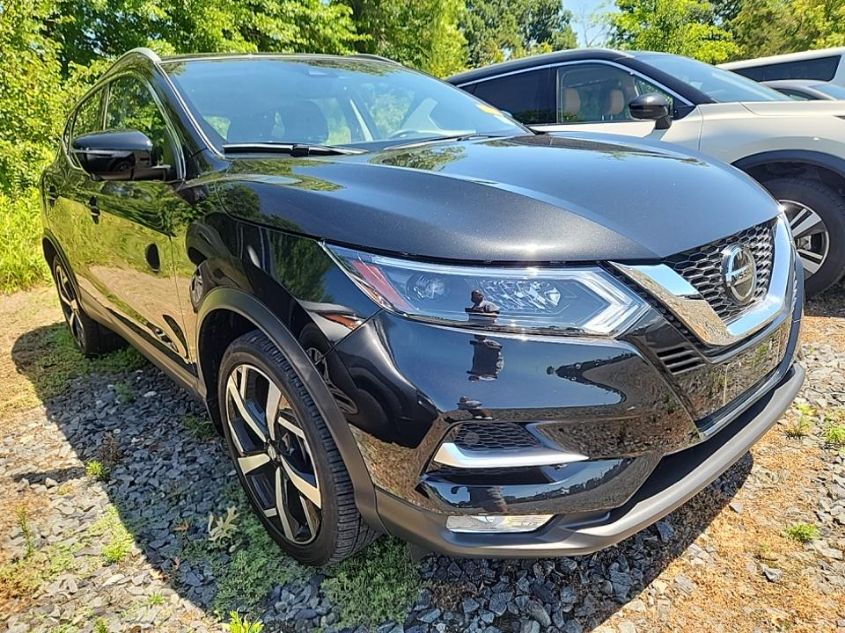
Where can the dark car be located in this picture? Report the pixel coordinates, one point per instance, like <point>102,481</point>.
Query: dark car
<point>409,314</point>
<point>795,150</point>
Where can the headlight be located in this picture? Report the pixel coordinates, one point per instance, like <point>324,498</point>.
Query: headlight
<point>555,300</point>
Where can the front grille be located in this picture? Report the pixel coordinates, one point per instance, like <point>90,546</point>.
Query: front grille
<point>478,436</point>
<point>702,267</point>
<point>680,358</point>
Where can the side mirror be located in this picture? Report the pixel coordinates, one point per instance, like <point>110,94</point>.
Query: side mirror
<point>118,155</point>
<point>653,107</point>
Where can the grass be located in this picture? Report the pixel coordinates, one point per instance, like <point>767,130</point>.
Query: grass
<point>802,532</point>
<point>26,531</point>
<point>101,626</point>
<point>835,435</point>
<point>96,470</point>
<point>200,427</point>
<point>255,568</point>
<point>21,261</point>
<point>375,586</point>
<point>155,599</point>
<point>124,392</point>
<point>50,360</point>
<point>243,625</point>
<point>118,539</point>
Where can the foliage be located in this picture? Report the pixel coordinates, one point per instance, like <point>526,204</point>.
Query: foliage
<point>243,625</point>
<point>772,27</point>
<point>374,586</point>
<point>95,469</point>
<point>199,426</point>
<point>802,532</point>
<point>835,435</point>
<point>501,29</point>
<point>222,528</point>
<point>256,566</point>
<point>684,27</point>
<point>118,539</point>
<point>21,261</point>
<point>422,34</point>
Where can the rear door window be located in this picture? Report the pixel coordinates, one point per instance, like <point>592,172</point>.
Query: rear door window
<point>528,96</point>
<point>820,68</point>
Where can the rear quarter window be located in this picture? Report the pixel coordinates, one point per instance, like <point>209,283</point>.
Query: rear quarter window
<point>821,69</point>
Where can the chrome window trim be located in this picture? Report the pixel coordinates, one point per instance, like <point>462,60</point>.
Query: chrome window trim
<point>687,304</point>
<point>583,61</point>
<point>450,454</point>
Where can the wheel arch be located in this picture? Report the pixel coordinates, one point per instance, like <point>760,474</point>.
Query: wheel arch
<point>764,166</point>
<point>225,314</point>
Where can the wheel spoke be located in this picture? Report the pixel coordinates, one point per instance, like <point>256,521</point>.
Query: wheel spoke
<point>308,489</point>
<point>250,462</point>
<point>287,420</point>
<point>281,509</point>
<point>311,516</point>
<point>238,399</point>
<point>271,408</point>
<point>805,223</point>
<point>811,261</point>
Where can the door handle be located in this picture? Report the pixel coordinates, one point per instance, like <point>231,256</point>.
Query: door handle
<point>94,208</point>
<point>52,194</point>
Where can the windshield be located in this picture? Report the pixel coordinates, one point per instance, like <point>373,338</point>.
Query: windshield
<point>720,85</point>
<point>837,92</point>
<point>330,101</point>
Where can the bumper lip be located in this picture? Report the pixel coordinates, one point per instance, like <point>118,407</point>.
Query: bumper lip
<point>679,479</point>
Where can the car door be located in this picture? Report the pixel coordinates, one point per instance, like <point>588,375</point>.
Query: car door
<point>69,195</point>
<point>132,262</point>
<point>588,97</point>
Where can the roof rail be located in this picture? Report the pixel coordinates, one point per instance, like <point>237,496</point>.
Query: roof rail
<point>376,57</point>
<point>144,52</point>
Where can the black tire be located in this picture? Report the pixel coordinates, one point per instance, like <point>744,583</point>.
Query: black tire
<point>828,205</point>
<point>92,338</point>
<point>341,530</point>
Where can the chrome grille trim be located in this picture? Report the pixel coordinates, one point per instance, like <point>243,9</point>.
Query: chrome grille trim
<point>450,454</point>
<point>692,309</point>
<point>702,267</point>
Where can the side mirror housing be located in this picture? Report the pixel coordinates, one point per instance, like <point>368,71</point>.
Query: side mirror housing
<point>652,107</point>
<point>118,155</point>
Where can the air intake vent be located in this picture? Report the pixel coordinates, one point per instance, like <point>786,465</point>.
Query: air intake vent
<point>680,359</point>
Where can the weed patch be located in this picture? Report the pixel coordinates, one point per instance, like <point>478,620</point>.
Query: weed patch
<point>802,532</point>
<point>375,586</point>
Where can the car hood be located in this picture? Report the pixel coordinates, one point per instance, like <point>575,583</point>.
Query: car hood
<point>796,108</point>
<point>536,198</point>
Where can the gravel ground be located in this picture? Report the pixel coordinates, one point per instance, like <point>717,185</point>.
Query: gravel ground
<point>130,551</point>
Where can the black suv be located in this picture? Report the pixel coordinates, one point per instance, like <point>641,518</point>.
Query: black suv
<point>409,314</point>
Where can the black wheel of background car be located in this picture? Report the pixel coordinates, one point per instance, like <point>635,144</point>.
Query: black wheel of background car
<point>816,215</point>
<point>285,456</point>
<point>90,337</point>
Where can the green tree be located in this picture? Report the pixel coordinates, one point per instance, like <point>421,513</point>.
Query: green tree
<point>501,29</point>
<point>771,27</point>
<point>685,27</point>
<point>31,93</point>
<point>88,30</point>
<point>423,33</point>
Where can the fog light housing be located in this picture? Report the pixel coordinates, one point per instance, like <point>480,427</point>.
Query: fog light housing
<point>497,523</point>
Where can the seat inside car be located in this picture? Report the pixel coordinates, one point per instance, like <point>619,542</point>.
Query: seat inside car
<point>571,106</point>
<point>302,122</point>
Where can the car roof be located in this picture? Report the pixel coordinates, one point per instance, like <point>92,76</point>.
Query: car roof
<point>792,83</point>
<point>787,57</point>
<point>153,57</point>
<point>522,63</point>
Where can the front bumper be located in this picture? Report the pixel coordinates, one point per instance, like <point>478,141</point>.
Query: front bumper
<point>652,436</point>
<point>677,478</point>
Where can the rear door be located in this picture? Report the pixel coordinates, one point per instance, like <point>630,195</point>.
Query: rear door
<point>132,257</point>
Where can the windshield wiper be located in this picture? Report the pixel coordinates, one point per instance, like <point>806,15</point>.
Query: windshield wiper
<point>294,149</point>
<point>467,136</point>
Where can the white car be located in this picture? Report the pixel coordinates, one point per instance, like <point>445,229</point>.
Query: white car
<point>826,64</point>
<point>794,149</point>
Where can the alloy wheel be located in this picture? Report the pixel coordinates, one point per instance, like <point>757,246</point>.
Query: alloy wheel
<point>273,454</point>
<point>69,304</point>
<point>810,234</point>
